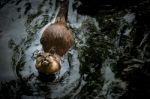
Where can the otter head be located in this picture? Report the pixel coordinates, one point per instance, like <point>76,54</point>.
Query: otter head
<point>48,63</point>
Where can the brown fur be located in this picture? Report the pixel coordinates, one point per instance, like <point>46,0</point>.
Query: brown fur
<point>56,40</point>
<point>58,37</point>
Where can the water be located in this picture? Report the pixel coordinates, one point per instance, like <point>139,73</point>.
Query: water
<point>90,69</point>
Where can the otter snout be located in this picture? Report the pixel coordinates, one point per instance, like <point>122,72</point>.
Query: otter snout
<point>45,63</point>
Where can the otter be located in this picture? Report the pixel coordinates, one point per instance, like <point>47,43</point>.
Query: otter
<point>56,40</point>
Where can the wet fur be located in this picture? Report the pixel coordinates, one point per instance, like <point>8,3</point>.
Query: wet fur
<point>58,37</point>
<point>56,40</point>
<point>52,66</point>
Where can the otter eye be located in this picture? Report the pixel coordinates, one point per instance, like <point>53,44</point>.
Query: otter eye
<point>39,55</point>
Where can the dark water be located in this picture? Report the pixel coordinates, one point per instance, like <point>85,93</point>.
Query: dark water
<point>109,60</point>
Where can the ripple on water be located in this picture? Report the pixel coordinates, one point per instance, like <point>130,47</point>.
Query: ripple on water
<point>96,39</point>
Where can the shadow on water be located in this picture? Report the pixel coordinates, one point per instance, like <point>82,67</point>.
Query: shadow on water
<point>110,54</point>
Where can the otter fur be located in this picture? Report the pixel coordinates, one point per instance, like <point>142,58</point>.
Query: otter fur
<point>56,40</point>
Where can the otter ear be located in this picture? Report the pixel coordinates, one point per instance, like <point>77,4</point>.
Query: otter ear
<point>36,54</point>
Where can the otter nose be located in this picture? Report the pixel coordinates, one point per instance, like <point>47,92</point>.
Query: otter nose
<point>45,63</point>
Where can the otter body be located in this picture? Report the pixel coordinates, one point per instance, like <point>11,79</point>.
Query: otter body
<point>56,40</point>
<point>57,37</point>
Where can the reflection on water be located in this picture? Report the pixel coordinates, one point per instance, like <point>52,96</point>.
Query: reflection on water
<point>91,69</point>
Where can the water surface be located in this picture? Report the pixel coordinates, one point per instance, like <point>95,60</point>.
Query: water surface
<point>96,66</point>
